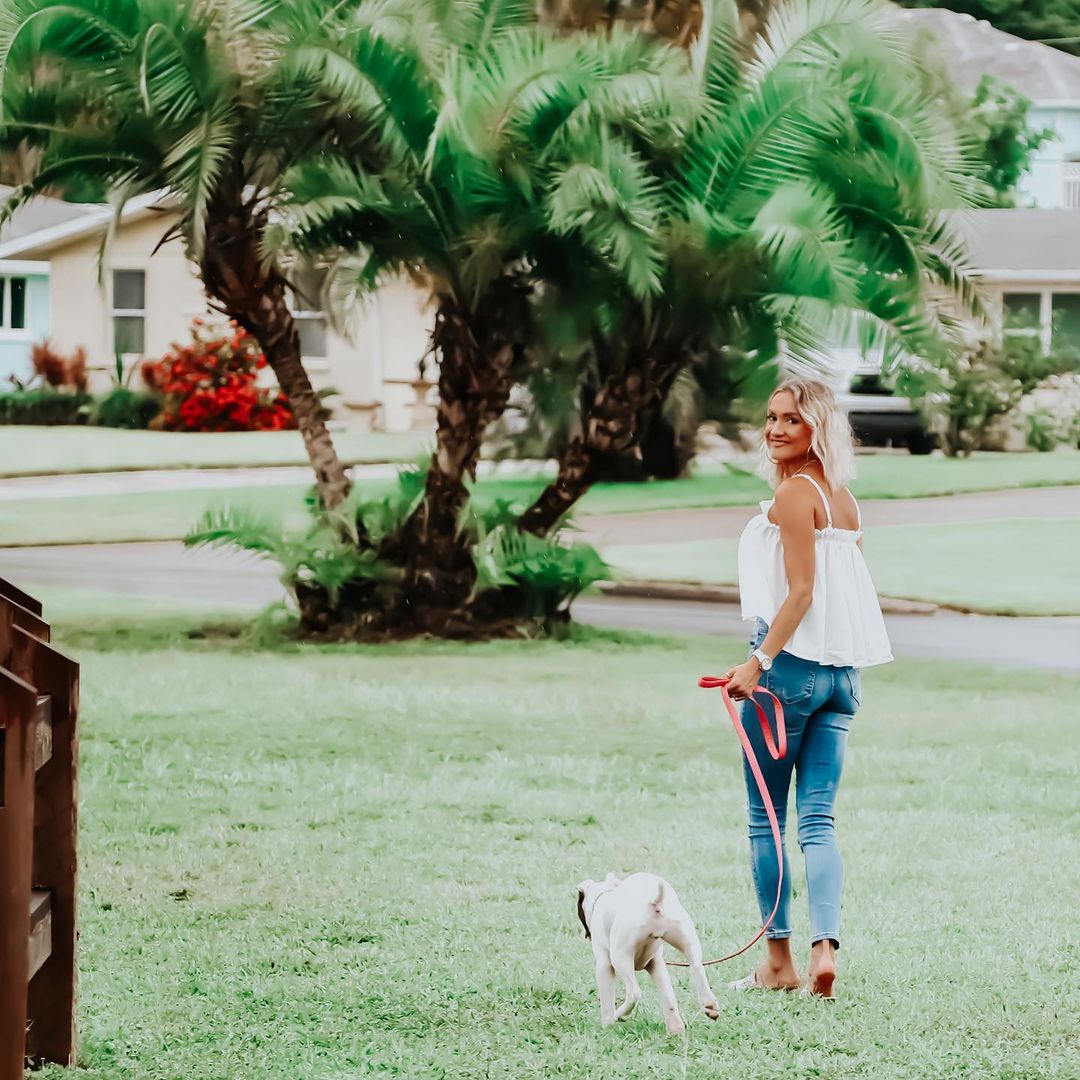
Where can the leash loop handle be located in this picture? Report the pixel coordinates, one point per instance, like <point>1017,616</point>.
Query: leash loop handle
<point>777,748</point>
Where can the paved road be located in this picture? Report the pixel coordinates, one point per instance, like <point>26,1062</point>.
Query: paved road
<point>167,570</point>
<point>662,526</point>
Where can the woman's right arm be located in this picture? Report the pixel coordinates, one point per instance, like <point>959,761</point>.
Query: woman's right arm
<point>794,512</point>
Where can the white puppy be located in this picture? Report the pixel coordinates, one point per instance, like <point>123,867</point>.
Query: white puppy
<point>628,919</point>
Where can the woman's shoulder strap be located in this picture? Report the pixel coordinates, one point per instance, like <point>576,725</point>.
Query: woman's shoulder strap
<point>824,497</point>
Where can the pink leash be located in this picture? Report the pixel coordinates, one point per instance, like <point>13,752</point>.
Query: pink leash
<point>777,749</point>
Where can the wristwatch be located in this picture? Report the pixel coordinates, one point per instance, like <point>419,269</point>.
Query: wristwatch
<point>763,658</point>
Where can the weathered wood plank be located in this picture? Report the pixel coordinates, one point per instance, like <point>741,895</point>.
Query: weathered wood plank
<point>15,594</point>
<point>17,703</point>
<point>51,1000</point>
<point>40,930</point>
<point>43,733</point>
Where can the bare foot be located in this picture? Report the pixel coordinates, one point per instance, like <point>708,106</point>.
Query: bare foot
<point>822,974</point>
<point>777,972</point>
<point>778,978</point>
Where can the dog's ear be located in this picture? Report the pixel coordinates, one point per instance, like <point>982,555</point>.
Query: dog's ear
<point>612,879</point>
<point>581,911</point>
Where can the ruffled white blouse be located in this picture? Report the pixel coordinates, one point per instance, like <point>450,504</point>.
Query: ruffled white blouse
<point>844,625</point>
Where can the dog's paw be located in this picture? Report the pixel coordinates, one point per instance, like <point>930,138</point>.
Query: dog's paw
<point>712,1010</point>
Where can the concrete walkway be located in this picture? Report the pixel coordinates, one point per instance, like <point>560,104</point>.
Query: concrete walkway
<point>123,483</point>
<point>142,480</point>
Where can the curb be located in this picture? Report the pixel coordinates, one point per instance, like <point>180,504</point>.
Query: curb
<point>729,594</point>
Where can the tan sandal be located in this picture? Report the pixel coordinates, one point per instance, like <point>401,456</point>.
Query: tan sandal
<point>751,982</point>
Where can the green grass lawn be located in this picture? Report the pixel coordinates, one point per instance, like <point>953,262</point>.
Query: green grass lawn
<point>34,451</point>
<point>169,515</point>
<point>1005,567</point>
<point>319,864</point>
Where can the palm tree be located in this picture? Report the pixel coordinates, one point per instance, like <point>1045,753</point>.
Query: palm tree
<point>486,217</point>
<point>808,196</point>
<point>211,104</point>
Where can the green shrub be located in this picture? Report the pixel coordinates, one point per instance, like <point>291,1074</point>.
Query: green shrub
<point>44,406</point>
<point>345,571</point>
<point>122,407</point>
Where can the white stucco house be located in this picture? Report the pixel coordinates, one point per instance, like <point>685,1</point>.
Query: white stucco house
<point>146,300</point>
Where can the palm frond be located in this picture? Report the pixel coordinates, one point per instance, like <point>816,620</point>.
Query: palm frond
<point>495,17</point>
<point>549,572</point>
<point>773,134</point>
<point>238,527</point>
<point>716,56</point>
<point>613,204</point>
<point>197,161</point>
<point>807,252</point>
<point>821,34</point>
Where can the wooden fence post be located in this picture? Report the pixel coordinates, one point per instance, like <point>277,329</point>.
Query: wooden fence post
<point>17,701</point>
<point>51,1005</point>
<point>39,691</point>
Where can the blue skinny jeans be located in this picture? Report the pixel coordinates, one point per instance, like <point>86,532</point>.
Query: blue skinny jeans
<point>820,702</point>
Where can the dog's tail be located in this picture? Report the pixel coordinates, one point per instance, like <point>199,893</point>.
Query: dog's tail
<point>659,895</point>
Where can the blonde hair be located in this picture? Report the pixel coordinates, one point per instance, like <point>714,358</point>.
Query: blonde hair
<point>832,442</point>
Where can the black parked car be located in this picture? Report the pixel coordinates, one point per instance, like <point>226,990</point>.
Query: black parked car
<point>881,417</point>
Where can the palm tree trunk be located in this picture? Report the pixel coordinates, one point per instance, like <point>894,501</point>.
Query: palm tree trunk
<point>609,430</point>
<point>281,341</point>
<point>676,20</point>
<point>475,363</point>
<point>236,279</point>
<point>612,424</point>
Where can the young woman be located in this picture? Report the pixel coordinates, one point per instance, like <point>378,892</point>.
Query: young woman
<point>803,579</point>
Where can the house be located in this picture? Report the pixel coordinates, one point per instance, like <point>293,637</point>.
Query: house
<point>24,284</point>
<point>1027,258</point>
<point>1047,77</point>
<point>134,298</point>
<point>1029,262</point>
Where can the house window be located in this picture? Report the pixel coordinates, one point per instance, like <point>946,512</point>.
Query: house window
<point>310,320</point>
<point>1052,317</point>
<point>129,312</point>
<point>1065,320</point>
<point>1022,313</point>
<point>1071,177</point>
<point>13,303</point>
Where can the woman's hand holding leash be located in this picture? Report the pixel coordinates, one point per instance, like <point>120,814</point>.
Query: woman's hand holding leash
<point>777,748</point>
<point>742,680</point>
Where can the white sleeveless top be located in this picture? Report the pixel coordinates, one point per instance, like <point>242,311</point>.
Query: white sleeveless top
<point>844,625</point>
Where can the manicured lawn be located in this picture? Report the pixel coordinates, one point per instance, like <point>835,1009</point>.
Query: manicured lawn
<point>169,515</point>
<point>1006,567</point>
<point>30,451</point>
<point>337,863</point>
<point>33,451</point>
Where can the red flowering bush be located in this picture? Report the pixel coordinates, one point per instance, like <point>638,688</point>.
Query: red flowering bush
<point>209,384</point>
